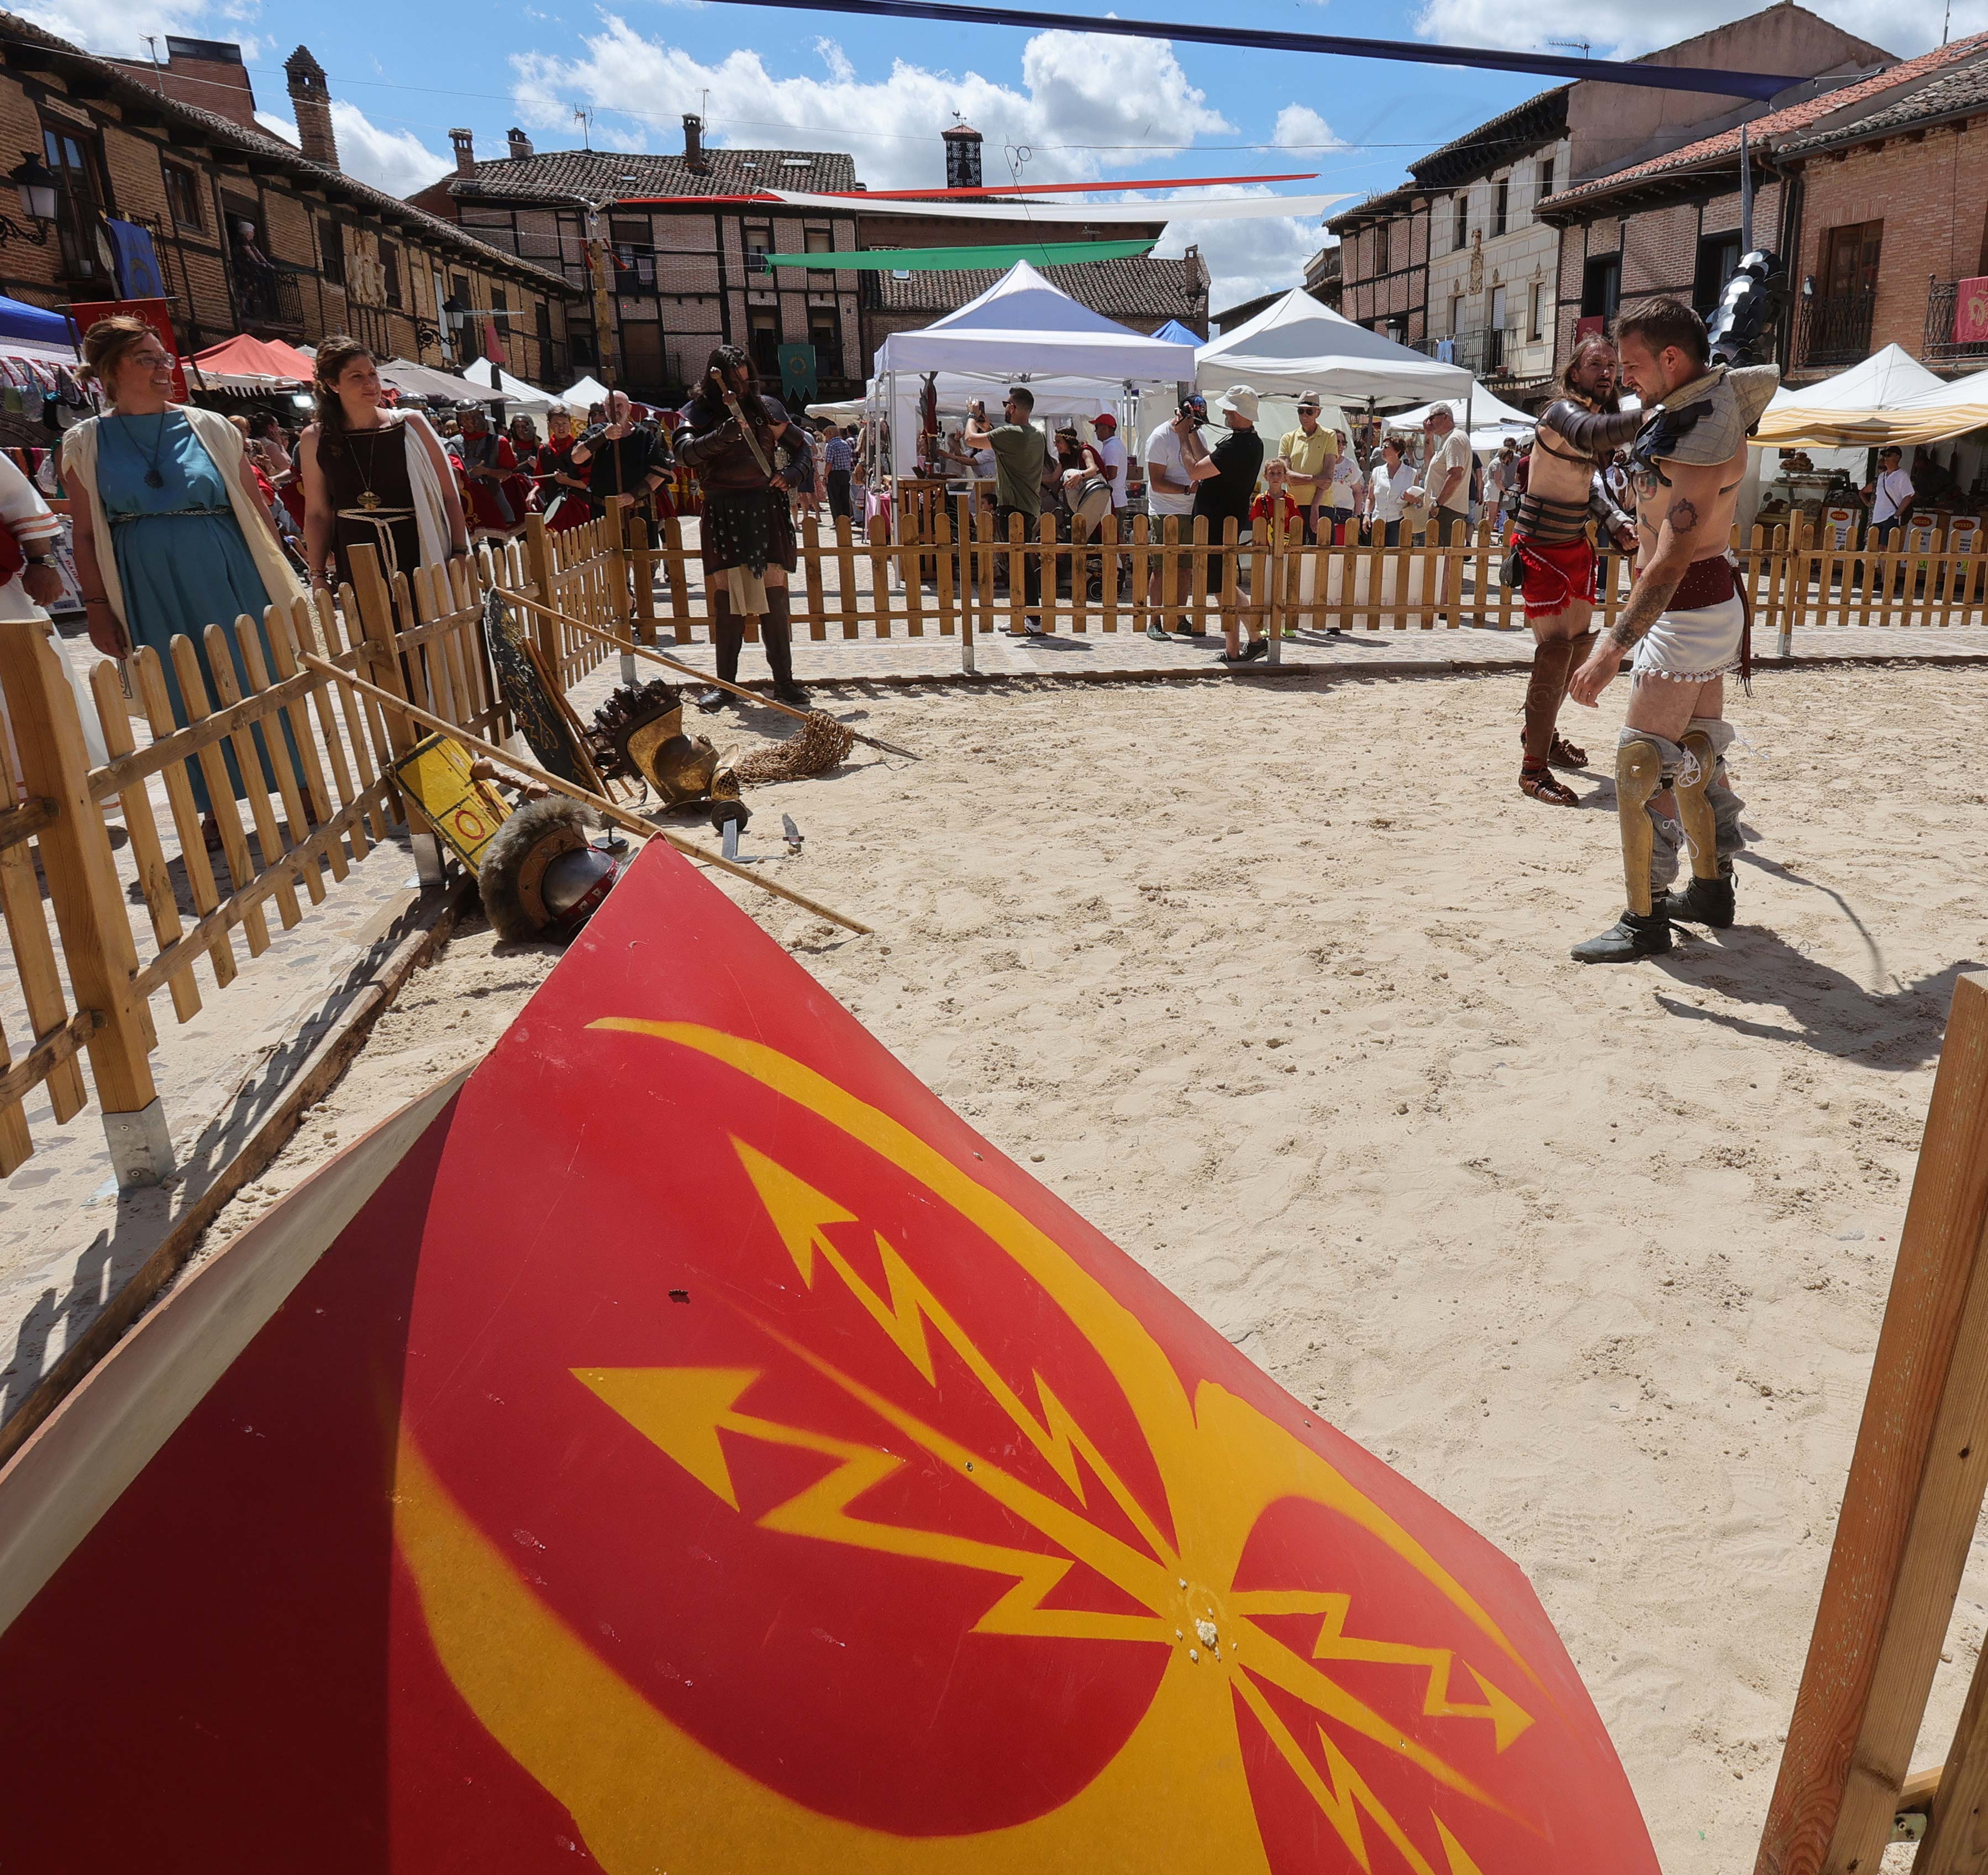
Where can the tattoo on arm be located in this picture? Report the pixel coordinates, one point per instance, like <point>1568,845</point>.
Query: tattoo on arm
<point>1683,514</point>
<point>1647,599</point>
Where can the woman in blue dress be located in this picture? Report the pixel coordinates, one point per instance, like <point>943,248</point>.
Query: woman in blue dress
<point>170,533</point>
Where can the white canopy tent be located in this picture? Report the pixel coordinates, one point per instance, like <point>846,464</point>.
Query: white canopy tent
<point>1492,419</point>
<point>1963,403</point>
<point>1869,404</point>
<point>413,379</point>
<point>1022,331</point>
<point>578,397</point>
<point>1297,345</point>
<point>528,398</point>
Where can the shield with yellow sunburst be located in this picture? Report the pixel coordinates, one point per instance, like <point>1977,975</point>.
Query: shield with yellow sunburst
<point>687,1446</point>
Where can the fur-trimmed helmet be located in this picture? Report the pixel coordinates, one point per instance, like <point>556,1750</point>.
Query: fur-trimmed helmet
<point>540,875</point>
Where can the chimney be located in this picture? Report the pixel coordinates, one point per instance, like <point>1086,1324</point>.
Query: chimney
<point>962,157</point>
<point>521,145</point>
<point>464,145</point>
<point>693,156</point>
<point>310,99</point>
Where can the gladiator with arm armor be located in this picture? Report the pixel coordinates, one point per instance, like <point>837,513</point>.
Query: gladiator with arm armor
<point>1577,435</point>
<point>1686,623</point>
<point>738,442</point>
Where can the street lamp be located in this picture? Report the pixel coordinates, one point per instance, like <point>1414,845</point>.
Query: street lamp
<point>36,183</point>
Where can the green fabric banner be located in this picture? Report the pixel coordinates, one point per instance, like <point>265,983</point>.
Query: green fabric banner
<point>935,259</point>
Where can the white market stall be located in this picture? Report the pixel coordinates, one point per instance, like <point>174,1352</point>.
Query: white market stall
<point>1864,407</point>
<point>582,396</point>
<point>528,398</point>
<point>1296,345</point>
<point>1492,419</point>
<point>1021,330</point>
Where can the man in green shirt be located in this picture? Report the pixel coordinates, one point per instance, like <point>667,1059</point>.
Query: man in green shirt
<point>1020,451</point>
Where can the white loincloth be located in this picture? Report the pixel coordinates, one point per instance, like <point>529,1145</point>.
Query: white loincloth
<point>1691,646</point>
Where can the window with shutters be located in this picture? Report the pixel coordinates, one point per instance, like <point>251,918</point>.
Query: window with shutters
<point>183,194</point>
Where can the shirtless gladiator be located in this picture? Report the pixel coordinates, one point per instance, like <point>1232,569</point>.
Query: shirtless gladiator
<point>1685,620</point>
<point>1578,433</point>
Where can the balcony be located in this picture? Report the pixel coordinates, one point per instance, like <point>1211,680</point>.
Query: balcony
<point>1482,353</point>
<point>1835,328</point>
<point>1948,316</point>
<point>270,302</point>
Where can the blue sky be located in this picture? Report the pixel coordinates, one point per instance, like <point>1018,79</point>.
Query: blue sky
<point>1083,106</point>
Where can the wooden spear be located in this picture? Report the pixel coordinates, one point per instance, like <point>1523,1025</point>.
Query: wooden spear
<point>621,817</point>
<point>689,670</point>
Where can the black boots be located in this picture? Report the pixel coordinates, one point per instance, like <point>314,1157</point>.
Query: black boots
<point>776,634</point>
<point>728,638</point>
<point>1702,901</point>
<point>1632,936</point>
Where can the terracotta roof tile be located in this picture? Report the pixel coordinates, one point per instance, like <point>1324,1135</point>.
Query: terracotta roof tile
<point>1777,125</point>
<point>598,173</point>
<point>1965,90</point>
<point>1136,286</point>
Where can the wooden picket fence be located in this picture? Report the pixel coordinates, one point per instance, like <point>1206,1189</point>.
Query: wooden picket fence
<point>313,757</point>
<point>956,575</point>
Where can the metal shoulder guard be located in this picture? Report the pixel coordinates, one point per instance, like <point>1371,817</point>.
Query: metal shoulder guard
<point>1592,432</point>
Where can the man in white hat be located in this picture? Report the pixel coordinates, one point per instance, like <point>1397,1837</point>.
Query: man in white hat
<point>1239,461</point>
<point>1307,452</point>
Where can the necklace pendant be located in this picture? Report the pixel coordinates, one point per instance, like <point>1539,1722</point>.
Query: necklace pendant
<point>369,500</point>
<point>153,479</point>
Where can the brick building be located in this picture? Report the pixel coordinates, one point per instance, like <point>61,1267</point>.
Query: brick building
<point>251,234</point>
<point>1893,216</point>
<point>1494,266</point>
<point>1457,252</point>
<point>1671,223</point>
<point>684,278</point>
<point>1384,250</point>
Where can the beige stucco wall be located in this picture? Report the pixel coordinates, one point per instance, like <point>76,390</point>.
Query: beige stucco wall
<point>1526,255</point>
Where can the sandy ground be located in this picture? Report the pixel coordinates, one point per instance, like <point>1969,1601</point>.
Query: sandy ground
<point>1270,980</point>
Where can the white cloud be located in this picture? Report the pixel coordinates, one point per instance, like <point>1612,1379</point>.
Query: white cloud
<point>1301,127</point>
<point>117,28</point>
<point>1626,29</point>
<point>1081,97</point>
<point>1244,259</point>
<point>395,161</point>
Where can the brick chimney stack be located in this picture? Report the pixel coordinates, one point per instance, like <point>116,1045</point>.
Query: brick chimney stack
<point>694,156</point>
<point>521,145</point>
<point>310,99</point>
<point>464,145</point>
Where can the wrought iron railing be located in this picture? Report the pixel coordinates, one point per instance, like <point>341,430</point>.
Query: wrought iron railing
<point>267,297</point>
<point>1835,328</point>
<point>1949,313</point>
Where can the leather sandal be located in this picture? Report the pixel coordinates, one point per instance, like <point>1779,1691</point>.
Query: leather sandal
<point>1564,754</point>
<point>1542,784</point>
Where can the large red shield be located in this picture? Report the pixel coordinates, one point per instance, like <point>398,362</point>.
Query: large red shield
<point>702,1452</point>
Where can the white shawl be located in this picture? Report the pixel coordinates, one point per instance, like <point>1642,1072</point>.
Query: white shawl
<point>223,442</point>
<point>431,511</point>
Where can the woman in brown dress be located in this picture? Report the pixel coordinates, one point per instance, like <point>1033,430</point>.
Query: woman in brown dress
<point>372,476</point>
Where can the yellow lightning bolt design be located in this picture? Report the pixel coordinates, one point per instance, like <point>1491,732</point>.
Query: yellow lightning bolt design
<point>802,1216</point>
<point>1508,1718</point>
<point>685,1410</point>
